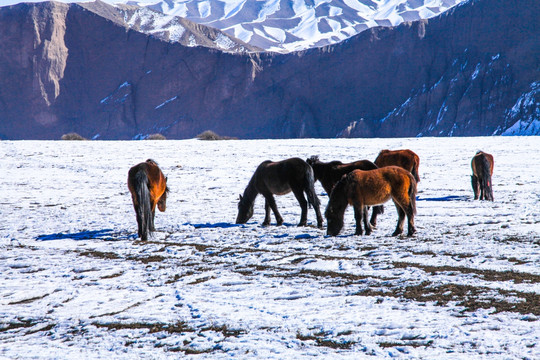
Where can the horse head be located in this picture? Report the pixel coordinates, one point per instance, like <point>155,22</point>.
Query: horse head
<point>162,203</point>
<point>245,210</point>
<point>312,160</point>
<point>334,221</point>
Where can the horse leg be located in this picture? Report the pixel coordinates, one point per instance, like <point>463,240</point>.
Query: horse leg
<point>475,187</point>
<point>401,220</point>
<point>319,217</point>
<point>299,194</point>
<point>379,209</point>
<point>358,213</point>
<point>367,225</point>
<point>272,203</point>
<point>151,226</point>
<point>267,217</point>
<point>411,230</point>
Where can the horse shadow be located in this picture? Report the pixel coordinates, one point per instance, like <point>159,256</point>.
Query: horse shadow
<point>219,225</point>
<point>104,234</point>
<point>446,198</point>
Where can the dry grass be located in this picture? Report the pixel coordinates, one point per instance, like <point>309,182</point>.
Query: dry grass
<point>73,136</point>
<point>210,135</point>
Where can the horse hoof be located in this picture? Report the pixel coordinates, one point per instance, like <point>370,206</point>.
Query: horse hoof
<point>265,223</point>
<point>396,233</point>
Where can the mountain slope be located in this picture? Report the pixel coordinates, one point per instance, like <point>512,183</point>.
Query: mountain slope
<point>287,25</point>
<point>469,71</point>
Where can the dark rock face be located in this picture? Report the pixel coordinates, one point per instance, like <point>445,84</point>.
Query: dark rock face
<point>64,68</point>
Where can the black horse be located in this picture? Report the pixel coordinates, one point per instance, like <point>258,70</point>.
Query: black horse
<point>280,178</point>
<point>482,167</point>
<point>331,172</point>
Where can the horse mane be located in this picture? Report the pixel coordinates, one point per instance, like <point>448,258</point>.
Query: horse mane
<point>338,197</point>
<point>335,163</point>
<point>152,161</point>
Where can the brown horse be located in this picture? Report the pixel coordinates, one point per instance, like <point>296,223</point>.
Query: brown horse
<point>363,188</point>
<point>482,168</point>
<point>406,159</point>
<point>280,178</point>
<point>148,187</point>
<point>330,173</point>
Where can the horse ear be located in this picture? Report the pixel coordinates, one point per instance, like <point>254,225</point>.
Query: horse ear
<point>240,197</point>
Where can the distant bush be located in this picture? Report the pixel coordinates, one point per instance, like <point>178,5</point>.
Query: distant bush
<point>156,137</point>
<point>210,135</point>
<point>72,136</point>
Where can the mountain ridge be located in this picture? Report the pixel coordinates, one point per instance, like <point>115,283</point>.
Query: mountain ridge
<point>417,79</point>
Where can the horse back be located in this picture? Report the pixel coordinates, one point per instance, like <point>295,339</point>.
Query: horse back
<point>278,176</point>
<point>406,159</point>
<point>479,159</point>
<point>157,183</point>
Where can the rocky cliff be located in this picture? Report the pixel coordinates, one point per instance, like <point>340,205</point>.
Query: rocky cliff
<point>471,71</point>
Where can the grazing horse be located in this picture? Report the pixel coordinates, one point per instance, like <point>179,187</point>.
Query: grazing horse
<point>363,188</point>
<point>406,159</point>
<point>330,173</point>
<point>148,187</point>
<point>280,178</point>
<point>482,168</point>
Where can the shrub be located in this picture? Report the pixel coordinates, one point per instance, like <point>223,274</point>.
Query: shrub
<point>210,135</point>
<point>156,137</point>
<point>72,136</point>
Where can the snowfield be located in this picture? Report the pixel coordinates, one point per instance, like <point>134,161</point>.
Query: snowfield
<point>77,283</point>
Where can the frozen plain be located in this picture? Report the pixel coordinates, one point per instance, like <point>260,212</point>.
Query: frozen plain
<point>77,283</point>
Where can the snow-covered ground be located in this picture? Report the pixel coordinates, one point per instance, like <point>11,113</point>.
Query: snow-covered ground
<point>77,283</point>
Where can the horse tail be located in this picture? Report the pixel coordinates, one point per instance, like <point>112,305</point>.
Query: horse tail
<point>486,178</point>
<point>144,210</point>
<point>309,188</point>
<point>412,193</point>
<point>414,169</point>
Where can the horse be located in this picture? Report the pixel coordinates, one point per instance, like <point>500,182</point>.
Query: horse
<point>406,159</point>
<point>361,188</point>
<point>148,188</point>
<point>330,173</point>
<point>482,168</point>
<point>280,178</point>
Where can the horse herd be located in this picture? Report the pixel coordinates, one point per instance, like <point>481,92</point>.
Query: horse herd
<point>362,184</point>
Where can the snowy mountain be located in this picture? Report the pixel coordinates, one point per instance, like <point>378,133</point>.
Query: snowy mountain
<point>275,25</point>
<point>287,25</point>
<point>80,67</point>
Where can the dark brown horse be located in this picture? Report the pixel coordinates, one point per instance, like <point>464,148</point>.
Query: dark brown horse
<point>406,159</point>
<point>331,172</point>
<point>363,188</point>
<point>280,178</point>
<point>148,187</point>
<point>482,168</point>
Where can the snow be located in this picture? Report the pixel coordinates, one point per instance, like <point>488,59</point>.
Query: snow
<point>166,102</point>
<point>298,17</point>
<point>77,283</point>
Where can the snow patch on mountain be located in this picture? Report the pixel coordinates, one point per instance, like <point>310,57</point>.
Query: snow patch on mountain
<point>525,114</point>
<point>289,25</point>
